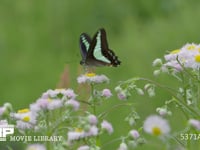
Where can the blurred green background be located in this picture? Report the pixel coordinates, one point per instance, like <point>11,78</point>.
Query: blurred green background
<point>39,38</point>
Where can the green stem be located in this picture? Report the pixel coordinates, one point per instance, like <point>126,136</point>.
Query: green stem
<point>198,91</point>
<point>186,71</point>
<point>92,98</point>
<point>93,101</point>
<point>184,88</point>
<point>177,99</point>
<point>48,143</point>
<point>113,108</point>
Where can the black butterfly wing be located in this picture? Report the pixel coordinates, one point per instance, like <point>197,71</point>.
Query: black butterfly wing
<point>109,54</point>
<point>94,56</point>
<point>98,53</point>
<point>84,41</point>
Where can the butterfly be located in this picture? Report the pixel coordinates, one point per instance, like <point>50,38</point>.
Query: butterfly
<point>95,52</point>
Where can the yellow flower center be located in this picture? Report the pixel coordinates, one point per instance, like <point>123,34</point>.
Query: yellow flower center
<point>49,100</point>
<point>197,58</point>
<point>23,110</point>
<point>26,119</point>
<point>191,47</point>
<point>175,51</point>
<point>156,131</point>
<point>60,89</point>
<point>78,130</point>
<point>90,74</point>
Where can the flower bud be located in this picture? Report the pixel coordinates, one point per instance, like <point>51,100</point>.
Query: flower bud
<point>157,62</point>
<point>134,134</point>
<point>156,72</point>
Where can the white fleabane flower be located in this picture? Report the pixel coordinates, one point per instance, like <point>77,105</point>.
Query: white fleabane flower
<point>69,93</point>
<point>188,56</point>
<point>2,110</point>
<point>75,135</point>
<point>195,123</point>
<point>84,147</point>
<point>35,147</point>
<point>46,104</point>
<point>22,125</point>
<point>93,131</point>
<point>42,103</point>
<point>195,62</point>
<point>92,119</point>
<point>106,93</point>
<point>54,104</point>
<point>26,119</point>
<point>3,122</point>
<point>25,115</point>
<point>105,125</point>
<point>172,55</point>
<point>73,103</point>
<point>79,133</point>
<point>49,94</point>
<point>92,78</point>
<point>156,125</point>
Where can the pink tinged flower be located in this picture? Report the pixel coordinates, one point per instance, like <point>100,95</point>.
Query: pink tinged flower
<point>122,95</point>
<point>3,122</point>
<point>172,64</point>
<point>73,103</point>
<point>54,104</point>
<point>84,147</point>
<point>134,134</point>
<point>24,125</point>
<point>106,93</point>
<point>69,93</point>
<point>92,119</point>
<point>2,110</point>
<point>93,131</point>
<point>195,123</point>
<point>172,56</point>
<point>105,125</point>
<point>75,135</point>
<point>35,107</point>
<point>188,56</point>
<point>92,78</point>
<point>43,103</point>
<point>101,79</point>
<point>35,147</point>
<point>156,125</point>
<point>81,79</point>
<point>49,94</point>
<point>80,133</point>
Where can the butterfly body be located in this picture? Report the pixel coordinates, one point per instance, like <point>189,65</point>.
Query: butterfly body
<point>95,52</point>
